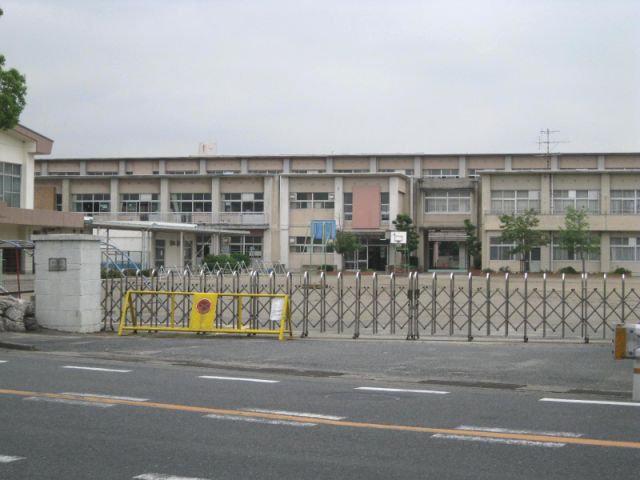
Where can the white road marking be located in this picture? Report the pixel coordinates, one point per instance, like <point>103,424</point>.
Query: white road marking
<point>70,402</point>
<point>294,414</point>
<point>525,432</point>
<point>96,369</point>
<point>9,459</point>
<point>239,379</point>
<point>591,402</point>
<point>376,389</point>
<point>114,397</point>
<point>162,476</point>
<point>506,441</point>
<point>3,361</point>
<point>259,420</point>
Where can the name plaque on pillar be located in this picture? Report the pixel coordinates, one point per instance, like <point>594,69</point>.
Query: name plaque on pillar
<point>57,264</point>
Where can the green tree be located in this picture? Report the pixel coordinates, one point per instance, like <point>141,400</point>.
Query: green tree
<point>576,236</point>
<point>521,231</point>
<point>404,223</point>
<point>13,90</point>
<point>472,243</point>
<point>345,243</point>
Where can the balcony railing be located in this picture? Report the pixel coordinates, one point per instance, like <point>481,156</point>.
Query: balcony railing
<point>209,218</point>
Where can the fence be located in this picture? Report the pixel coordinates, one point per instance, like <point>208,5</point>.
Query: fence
<point>414,306</point>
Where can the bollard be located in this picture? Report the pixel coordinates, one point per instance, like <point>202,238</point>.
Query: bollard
<point>636,376</point>
<point>626,344</point>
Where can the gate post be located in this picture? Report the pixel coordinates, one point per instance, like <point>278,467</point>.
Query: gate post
<point>526,305</point>
<point>305,305</point>
<point>470,307</point>
<point>340,305</point>
<point>356,332</point>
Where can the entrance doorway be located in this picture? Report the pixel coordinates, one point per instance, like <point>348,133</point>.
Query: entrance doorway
<point>445,255</point>
<point>373,255</point>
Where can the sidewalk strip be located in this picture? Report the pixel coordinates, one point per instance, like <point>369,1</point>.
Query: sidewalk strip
<point>9,459</point>
<point>294,414</point>
<point>96,369</point>
<point>239,379</point>
<point>70,402</point>
<point>591,402</point>
<point>162,476</point>
<point>504,441</point>
<point>528,432</point>
<point>112,397</point>
<point>266,421</point>
<point>401,390</point>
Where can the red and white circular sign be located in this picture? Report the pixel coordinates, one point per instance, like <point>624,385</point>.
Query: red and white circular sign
<point>203,306</point>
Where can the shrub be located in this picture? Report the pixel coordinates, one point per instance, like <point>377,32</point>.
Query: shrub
<point>326,268</point>
<point>504,269</point>
<point>621,271</point>
<point>488,270</point>
<point>567,270</point>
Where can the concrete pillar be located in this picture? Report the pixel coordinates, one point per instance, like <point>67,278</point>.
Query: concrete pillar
<point>268,208</point>
<point>83,167</point>
<point>286,165</point>
<point>114,196</point>
<point>329,165</point>
<point>605,252</point>
<point>605,193</point>
<point>373,164</point>
<point>203,166</point>
<point>545,194</point>
<point>338,213</point>
<point>601,162</point>
<point>507,163</point>
<point>554,163</point>
<point>44,168</point>
<point>162,167</point>
<point>462,166</point>
<point>394,201</point>
<point>417,167</point>
<point>216,199</point>
<point>284,220</point>
<point>66,195</point>
<point>122,167</point>
<point>67,282</point>
<point>165,200</point>
<point>244,165</point>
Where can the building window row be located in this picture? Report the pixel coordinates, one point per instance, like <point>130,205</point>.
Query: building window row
<point>91,202</point>
<point>587,200</point>
<point>303,245</point>
<point>514,201</point>
<point>191,202</point>
<point>243,202</point>
<point>625,249</point>
<point>625,201</point>
<point>301,200</point>
<point>442,173</point>
<point>10,182</point>
<point>140,202</point>
<point>448,201</point>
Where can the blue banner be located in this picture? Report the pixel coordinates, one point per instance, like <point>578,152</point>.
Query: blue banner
<point>323,229</point>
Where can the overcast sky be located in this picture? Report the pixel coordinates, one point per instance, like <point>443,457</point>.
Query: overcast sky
<point>157,77</point>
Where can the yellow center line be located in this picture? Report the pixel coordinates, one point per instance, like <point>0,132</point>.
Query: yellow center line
<point>338,423</point>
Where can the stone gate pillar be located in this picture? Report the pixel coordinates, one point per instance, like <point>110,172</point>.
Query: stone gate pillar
<point>67,282</point>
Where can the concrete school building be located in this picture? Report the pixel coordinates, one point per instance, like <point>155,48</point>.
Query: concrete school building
<point>175,210</point>
<point>18,218</point>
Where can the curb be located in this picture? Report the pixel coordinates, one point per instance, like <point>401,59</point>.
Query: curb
<point>17,346</point>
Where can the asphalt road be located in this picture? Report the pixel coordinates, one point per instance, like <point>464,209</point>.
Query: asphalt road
<point>60,420</point>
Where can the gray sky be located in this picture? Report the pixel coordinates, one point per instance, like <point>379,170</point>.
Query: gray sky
<point>156,77</point>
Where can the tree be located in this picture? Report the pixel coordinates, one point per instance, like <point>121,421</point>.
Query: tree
<point>520,230</point>
<point>472,243</point>
<point>576,236</point>
<point>13,90</point>
<point>345,243</point>
<point>404,223</point>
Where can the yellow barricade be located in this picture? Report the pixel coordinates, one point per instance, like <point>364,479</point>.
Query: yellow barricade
<point>197,312</point>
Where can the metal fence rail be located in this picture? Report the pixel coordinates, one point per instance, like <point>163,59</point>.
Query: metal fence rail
<point>414,306</point>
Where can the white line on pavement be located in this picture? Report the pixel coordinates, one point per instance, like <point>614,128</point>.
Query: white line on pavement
<point>525,432</point>
<point>3,361</point>
<point>260,420</point>
<point>239,379</point>
<point>96,369</point>
<point>591,402</point>
<point>9,458</point>
<point>114,397</point>
<point>294,414</point>
<point>506,441</point>
<point>162,476</point>
<point>70,402</point>
<point>376,389</point>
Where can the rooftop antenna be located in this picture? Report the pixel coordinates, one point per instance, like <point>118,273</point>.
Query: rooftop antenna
<point>544,138</point>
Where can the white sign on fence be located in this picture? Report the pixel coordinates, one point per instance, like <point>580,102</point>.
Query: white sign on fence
<point>277,307</point>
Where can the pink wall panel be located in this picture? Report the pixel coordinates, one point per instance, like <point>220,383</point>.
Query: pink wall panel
<point>366,206</point>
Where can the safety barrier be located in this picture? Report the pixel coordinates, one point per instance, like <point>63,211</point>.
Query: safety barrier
<point>202,312</point>
<point>415,306</point>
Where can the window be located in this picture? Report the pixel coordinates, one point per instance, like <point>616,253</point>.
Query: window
<point>10,183</point>
<point>102,173</point>
<point>625,201</point>
<point>351,170</point>
<point>448,201</point>
<point>501,251</point>
<point>625,249</point>
<point>191,202</point>
<point>139,202</point>
<point>311,200</point>
<point>587,200</point>
<point>384,206</point>
<point>348,206</point>
<point>64,174</point>
<point>203,245</point>
<point>91,202</point>
<point>265,172</point>
<point>243,202</point>
<point>302,245</point>
<point>443,173</point>
<point>514,201</point>
<point>59,202</point>
<point>248,245</point>
<point>560,253</point>
<point>159,253</point>
<point>473,173</point>
<point>179,172</point>
<point>223,172</point>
